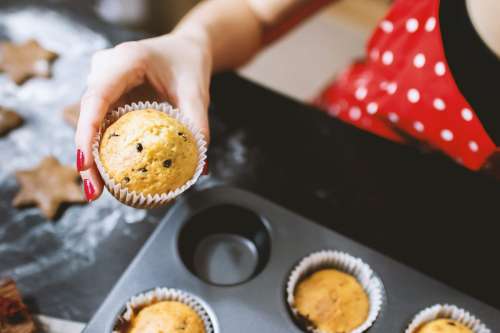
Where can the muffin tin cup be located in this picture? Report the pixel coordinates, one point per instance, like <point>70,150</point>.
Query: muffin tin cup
<point>137,199</point>
<point>446,311</point>
<point>343,262</point>
<point>165,294</point>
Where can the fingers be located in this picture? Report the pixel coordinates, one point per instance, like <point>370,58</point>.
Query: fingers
<point>92,183</point>
<point>193,101</point>
<point>113,73</point>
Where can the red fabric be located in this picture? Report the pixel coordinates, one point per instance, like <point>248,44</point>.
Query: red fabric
<point>404,90</point>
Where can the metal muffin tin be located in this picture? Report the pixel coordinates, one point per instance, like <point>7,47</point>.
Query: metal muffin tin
<point>235,251</point>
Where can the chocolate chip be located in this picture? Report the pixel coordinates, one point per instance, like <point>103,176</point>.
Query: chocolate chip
<point>452,323</point>
<point>126,179</point>
<point>183,135</point>
<point>139,147</point>
<point>113,135</point>
<point>143,169</point>
<point>167,163</point>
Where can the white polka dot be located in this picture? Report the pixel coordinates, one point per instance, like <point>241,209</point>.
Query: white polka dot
<point>374,54</point>
<point>439,104</point>
<point>447,135</point>
<point>411,25</point>
<point>413,95</point>
<point>387,58</point>
<point>473,146</point>
<point>392,88</point>
<point>430,24</point>
<point>372,108</point>
<point>393,117</point>
<point>418,126</point>
<point>439,68</point>
<point>361,93</point>
<point>387,26</point>
<point>355,113</point>
<point>419,60</point>
<point>466,114</point>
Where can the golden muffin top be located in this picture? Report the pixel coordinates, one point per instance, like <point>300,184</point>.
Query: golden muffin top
<point>167,316</point>
<point>149,152</point>
<point>332,301</point>
<point>444,326</point>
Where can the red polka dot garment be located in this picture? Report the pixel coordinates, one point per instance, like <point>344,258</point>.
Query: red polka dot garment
<point>404,90</point>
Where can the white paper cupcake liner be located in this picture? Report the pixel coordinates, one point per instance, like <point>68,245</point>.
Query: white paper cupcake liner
<point>447,311</point>
<point>133,198</point>
<point>348,264</point>
<point>167,294</point>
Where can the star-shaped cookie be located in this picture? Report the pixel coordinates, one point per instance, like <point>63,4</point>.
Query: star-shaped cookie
<point>48,186</point>
<point>14,316</point>
<point>23,61</point>
<point>71,114</point>
<point>9,120</point>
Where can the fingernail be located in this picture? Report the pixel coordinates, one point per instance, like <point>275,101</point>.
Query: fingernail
<point>80,159</point>
<point>205,169</point>
<point>89,190</point>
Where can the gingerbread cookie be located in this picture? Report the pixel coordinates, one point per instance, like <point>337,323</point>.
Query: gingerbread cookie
<point>14,315</point>
<point>9,120</point>
<point>48,186</point>
<point>71,114</point>
<point>23,61</point>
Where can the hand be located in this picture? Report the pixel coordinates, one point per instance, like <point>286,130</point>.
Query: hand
<point>174,68</point>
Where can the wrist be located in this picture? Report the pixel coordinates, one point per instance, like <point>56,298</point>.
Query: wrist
<point>196,34</point>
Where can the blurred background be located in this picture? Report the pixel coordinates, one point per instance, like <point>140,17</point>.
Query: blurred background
<point>314,52</point>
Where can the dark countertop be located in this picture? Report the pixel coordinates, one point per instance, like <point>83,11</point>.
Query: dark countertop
<point>421,209</point>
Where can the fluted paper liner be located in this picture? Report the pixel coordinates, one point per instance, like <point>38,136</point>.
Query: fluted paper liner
<point>137,199</point>
<point>446,311</point>
<point>151,297</point>
<point>348,264</point>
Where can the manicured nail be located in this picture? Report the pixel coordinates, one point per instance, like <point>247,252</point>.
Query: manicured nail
<point>205,169</point>
<point>80,159</point>
<point>89,190</point>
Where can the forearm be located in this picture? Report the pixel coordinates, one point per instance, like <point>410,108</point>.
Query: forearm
<point>484,16</point>
<point>229,30</point>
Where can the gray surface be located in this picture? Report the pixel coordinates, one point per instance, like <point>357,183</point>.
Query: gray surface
<point>258,305</point>
<point>51,260</point>
<point>225,259</point>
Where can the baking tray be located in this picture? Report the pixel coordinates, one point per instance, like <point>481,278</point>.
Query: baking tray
<point>235,251</point>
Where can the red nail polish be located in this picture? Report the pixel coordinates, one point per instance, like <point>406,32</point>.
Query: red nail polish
<point>205,169</point>
<point>89,190</point>
<point>80,159</point>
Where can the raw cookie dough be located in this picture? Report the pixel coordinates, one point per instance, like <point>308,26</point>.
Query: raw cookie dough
<point>24,61</point>
<point>9,120</point>
<point>48,186</point>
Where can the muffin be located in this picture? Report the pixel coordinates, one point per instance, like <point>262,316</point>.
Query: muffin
<point>167,316</point>
<point>444,326</point>
<point>446,318</point>
<point>331,291</point>
<point>148,152</point>
<point>332,301</point>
